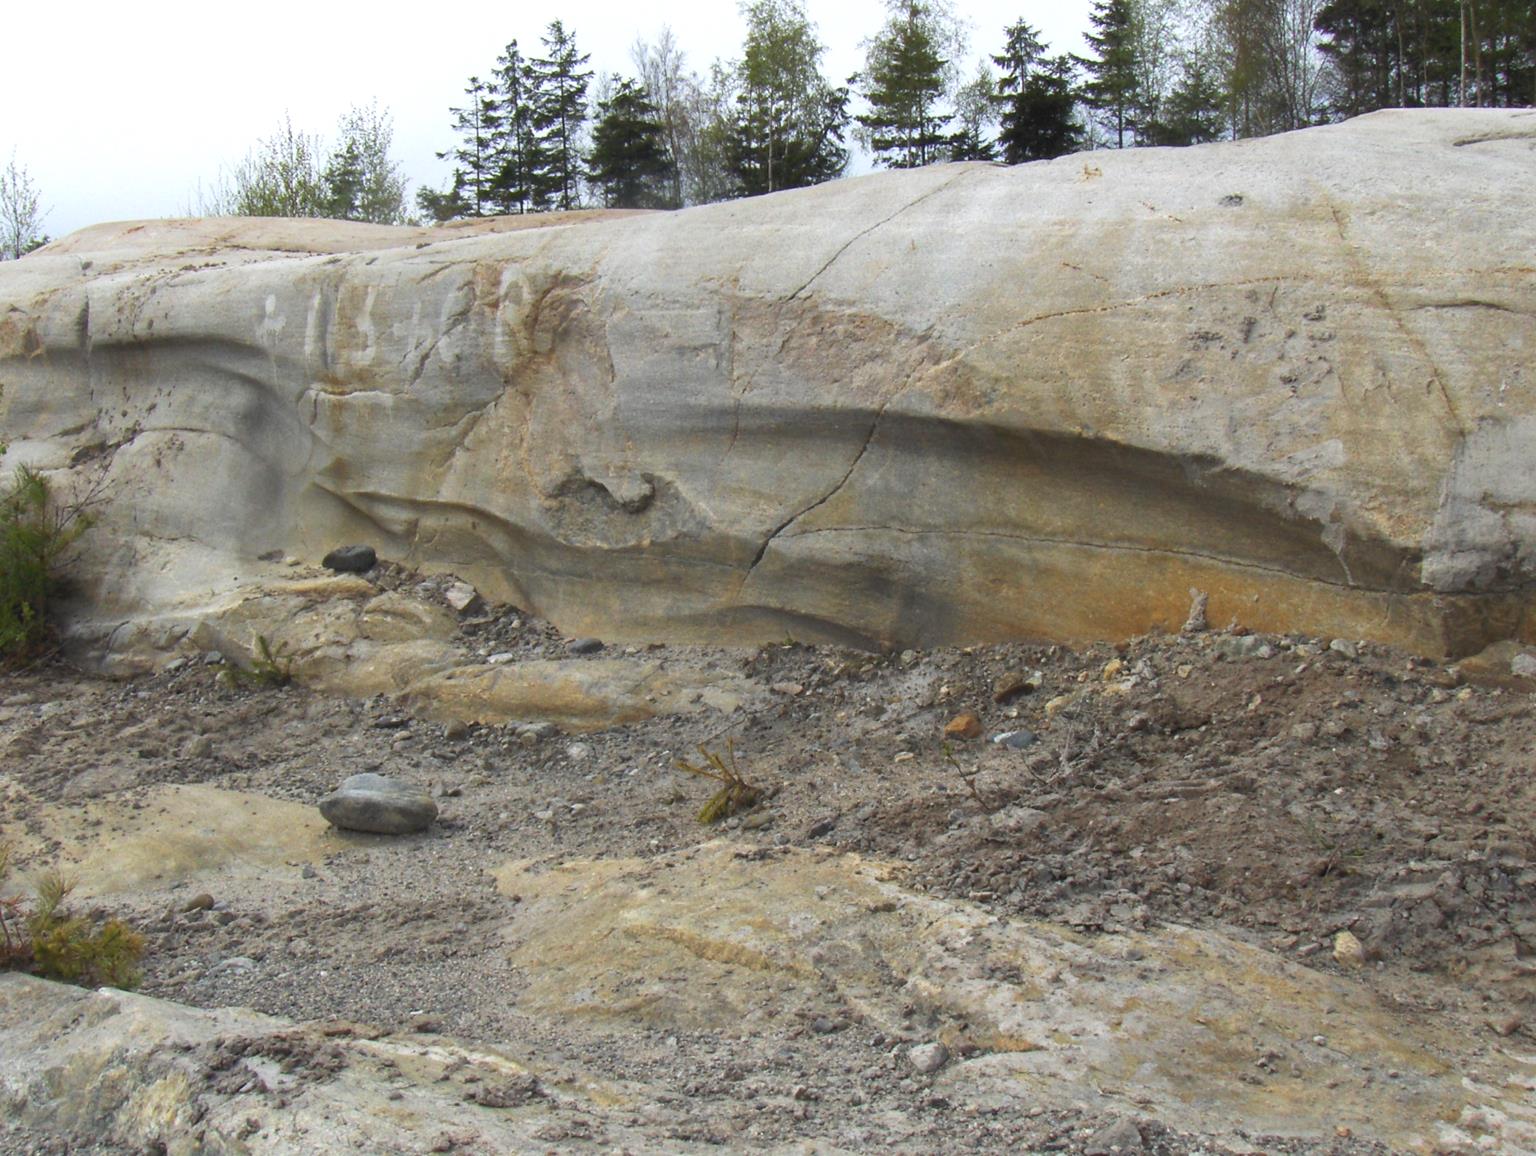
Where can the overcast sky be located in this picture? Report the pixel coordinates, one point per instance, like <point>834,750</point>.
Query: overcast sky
<point>118,110</point>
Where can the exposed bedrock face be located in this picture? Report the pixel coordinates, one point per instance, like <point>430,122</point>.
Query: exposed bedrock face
<point>959,404</point>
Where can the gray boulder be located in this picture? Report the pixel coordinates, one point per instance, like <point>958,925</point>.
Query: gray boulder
<point>380,805</point>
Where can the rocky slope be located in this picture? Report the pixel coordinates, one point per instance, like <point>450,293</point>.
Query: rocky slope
<point>966,403</point>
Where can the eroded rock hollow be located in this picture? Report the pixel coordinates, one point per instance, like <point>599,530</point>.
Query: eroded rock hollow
<point>959,404</point>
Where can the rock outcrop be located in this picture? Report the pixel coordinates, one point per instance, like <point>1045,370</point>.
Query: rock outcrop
<point>958,404</point>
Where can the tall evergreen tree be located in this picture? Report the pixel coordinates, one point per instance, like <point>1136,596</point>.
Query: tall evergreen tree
<point>903,81</point>
<point>558,109</point>
<point>789,119</point>
<point>515,153</point>
<point>1111,87</point>
<point>478,123</point>
<point>1037,98</point>
<point>1192,114</point>
<point>629,163</point>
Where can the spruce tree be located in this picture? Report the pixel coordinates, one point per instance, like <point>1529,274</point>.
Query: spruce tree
<point>904,84</point>
<point>629,163</point>
<point>1111,88</point>
<point>478,124</point>
<point>515,153</point>
<point>1037,98</point>
<point>557,102</point>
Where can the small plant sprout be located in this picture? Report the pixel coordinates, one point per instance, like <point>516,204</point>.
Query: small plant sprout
<point>735,794</point>
<point>270,666</point>
<point>969,779</point>
<point>52,943</point>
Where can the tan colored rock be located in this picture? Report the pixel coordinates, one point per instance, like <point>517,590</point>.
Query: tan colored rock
<point>588,694</point>
<point>963,726</point>
<point>712,939</point>
<point>170,835</point>
<point>957,404</point>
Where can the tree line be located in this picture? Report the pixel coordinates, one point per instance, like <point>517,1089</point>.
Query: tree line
<point>538,131</point>
<point>1157,72</point>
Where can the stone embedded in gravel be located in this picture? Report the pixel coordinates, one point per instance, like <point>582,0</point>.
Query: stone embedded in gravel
<point>350,559</point>
<point>928,1058</point>
<point>583,646</point>
<point>1122,1137</point>
<point>461,596</point>
<point>1348,950</point>
<point>1345,647</point>
<point>1015,740</point>
<point>1245,646</point>
<point>1015,683</point>
<point>963,726</point>
<point>379,805</point>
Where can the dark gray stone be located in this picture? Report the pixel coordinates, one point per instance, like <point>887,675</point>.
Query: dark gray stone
<point>350,559</point>
<point>379,805</point>
<point>584,646</point>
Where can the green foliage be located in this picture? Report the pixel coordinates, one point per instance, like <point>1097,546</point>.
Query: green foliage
<point>975,118</point>
<point>52,943</point>
<point>787,127</point>
<point>35,534</point>
<point>735,794</point>
<point>904,81</point>
<point>478,123</point>
<point>361,182</point>
<point>289,174</point>
<point>629,163</point>
<point>1038,100</point>
<point>557,103</point>
<point>1112,87</point>
<point>270,667</point>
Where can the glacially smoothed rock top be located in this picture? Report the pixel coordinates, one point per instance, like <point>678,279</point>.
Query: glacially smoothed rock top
<point>950,405</point>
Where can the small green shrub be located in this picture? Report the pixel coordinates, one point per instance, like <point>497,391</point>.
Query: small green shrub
<point>50,942</point>
<point>735,793</point>
<point>269,667</point>
<point>35,533</point>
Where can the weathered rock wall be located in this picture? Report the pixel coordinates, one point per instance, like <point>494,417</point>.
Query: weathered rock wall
<point>951,405</point>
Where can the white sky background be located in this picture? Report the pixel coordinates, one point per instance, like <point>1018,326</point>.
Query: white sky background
<point>117,110</point>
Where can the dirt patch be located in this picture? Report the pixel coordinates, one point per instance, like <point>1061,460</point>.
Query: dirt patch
<point>1278,788</point>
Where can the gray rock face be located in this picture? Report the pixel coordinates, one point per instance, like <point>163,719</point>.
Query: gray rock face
<point>957,404</point>
<point>379,804</point>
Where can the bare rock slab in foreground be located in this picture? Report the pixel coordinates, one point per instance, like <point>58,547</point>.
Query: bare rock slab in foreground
<point>952,405</point>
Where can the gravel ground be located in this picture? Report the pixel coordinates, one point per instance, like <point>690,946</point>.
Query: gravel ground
<point>1281,789</point>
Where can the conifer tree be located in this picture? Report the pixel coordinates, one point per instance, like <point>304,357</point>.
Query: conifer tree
<point>516,156</point>
<point>557,102</point>
<point>1037,98</point>
<point>478,124</point>
<point>1111,88</point>
<point>904,83</point>
<point>629,163</point>
<point>789,120</point>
